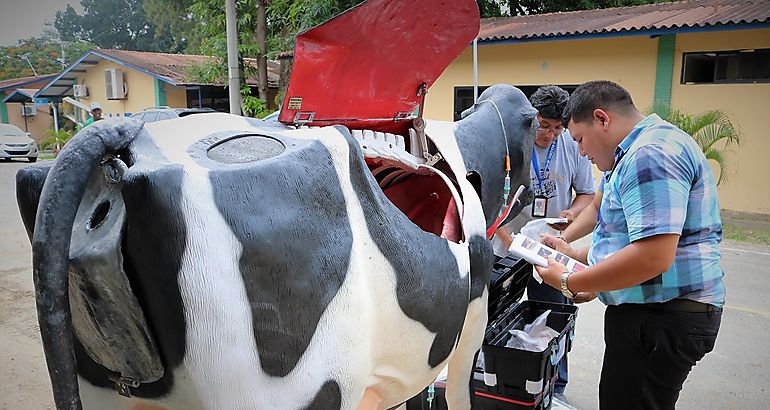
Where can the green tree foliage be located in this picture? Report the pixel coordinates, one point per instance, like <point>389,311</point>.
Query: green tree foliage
<point>44,53</point>
<point>286,18</point>
<point>173,19</point>
<point>55,141</point>
<point>713,131</point>
<point>117,24</point>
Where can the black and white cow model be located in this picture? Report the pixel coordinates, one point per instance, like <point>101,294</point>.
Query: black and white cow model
<point>221,262</point>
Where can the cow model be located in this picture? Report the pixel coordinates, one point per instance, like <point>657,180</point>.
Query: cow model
<point>221,262</point>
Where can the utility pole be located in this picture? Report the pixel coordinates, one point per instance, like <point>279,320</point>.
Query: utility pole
<point>25,57</point>
<point>475,70</point>
<point>233,73</point>
<point>63,57</point>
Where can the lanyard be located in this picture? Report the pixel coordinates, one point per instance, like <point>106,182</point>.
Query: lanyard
<point>548,159</point>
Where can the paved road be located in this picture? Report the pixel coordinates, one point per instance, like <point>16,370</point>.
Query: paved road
<point>735,376</point>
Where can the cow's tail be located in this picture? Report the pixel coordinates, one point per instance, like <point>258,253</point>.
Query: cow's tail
<point>59,202</point>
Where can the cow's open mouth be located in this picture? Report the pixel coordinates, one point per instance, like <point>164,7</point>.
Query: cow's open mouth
<point>418,191</point>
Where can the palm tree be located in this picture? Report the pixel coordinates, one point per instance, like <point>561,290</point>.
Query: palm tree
<point>712,130</point>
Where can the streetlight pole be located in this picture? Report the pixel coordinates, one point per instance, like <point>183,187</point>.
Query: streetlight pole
<point>233,73</point>
<point>25,57</point>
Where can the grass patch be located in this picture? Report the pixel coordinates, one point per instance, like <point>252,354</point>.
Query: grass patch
<point>42,157</point>
<point>742,234</point>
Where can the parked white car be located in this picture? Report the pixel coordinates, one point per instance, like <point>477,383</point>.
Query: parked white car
<point>15,143</point>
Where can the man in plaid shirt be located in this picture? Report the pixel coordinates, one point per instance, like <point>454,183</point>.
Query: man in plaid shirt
<point>654,254</point>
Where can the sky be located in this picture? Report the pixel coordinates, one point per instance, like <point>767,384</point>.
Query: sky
<point>21,19</point>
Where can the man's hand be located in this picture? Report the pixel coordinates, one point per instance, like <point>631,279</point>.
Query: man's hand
<point>552,274</point>
<point>567,213</point>
<point>558,244</point>
<point>505,236</point>
<point>583,297</point>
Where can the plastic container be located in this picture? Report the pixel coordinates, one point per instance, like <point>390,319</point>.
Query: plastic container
<point>511,378</point>
<point>519,378</point>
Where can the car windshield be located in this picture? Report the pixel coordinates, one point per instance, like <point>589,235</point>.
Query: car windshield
<point>8,130</point>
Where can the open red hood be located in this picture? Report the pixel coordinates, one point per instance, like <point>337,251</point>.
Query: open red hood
<point>363,68</point>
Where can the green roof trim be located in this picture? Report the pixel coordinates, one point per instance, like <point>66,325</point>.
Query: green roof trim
<point>664,70</point>
<point>4,113</point>
<point>160,93</point>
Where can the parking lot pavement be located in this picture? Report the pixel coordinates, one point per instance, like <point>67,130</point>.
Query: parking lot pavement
<point>23,379</point>
<point>736,375</point>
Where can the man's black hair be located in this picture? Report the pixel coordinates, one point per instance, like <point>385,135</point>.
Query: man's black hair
<point>602,94</point>
<point>549,101</point>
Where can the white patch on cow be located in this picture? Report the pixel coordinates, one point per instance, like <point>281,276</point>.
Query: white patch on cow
<point>174,136</point>
<point>461,362</point>
<point>394,347</point>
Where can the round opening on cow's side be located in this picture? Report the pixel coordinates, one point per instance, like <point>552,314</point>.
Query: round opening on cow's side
<point>98,216</point>
<point>245,148</point>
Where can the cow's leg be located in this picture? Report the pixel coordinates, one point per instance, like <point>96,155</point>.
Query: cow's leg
<point>461,362</point>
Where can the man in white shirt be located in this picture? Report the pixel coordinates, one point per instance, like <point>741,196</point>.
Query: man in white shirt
<point>557,170</point>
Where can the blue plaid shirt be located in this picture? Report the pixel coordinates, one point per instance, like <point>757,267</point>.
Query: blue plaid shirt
<point>662,184</point>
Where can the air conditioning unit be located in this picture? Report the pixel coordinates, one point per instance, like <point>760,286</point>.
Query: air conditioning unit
<point>79,90</point>
<point>28,110</point>
<point>116,88</point>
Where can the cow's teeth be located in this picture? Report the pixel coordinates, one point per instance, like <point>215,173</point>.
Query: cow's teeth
<point>386,146</point>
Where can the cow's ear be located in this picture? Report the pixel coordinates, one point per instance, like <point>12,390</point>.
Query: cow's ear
<point>529,114</point>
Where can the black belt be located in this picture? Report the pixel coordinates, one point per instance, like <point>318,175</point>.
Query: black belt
<point>676,305</point>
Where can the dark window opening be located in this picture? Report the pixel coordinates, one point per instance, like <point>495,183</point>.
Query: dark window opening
<point>464,95</point>
<point>725,67</point>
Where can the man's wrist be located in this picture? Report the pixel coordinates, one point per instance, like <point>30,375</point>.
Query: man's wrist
<point>564,282</point>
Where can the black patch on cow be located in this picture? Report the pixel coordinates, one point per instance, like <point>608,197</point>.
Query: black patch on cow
<point>482,260</point>
<point>289,214</point>
<point>429,286</point>
<point>153,246</point>
<point>155,242</point>
<point>328,397</point>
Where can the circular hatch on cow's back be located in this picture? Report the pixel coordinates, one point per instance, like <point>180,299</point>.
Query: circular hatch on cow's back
<point>245,148</point>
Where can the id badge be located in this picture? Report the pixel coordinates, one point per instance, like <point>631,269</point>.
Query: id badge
<point>540,207</point>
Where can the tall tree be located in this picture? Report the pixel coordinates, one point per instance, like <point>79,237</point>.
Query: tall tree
<point>112,24</point>
<point>173,18</point>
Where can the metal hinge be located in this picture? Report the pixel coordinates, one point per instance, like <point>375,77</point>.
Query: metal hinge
<point>123,385</point>
<point>113,169</point>
<point>303,117</point>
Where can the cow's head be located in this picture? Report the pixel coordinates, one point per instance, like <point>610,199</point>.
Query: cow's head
<point>502,121</point>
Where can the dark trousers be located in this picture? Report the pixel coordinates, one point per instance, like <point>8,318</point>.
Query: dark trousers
<point>544,293</point>
<point>650,349</point>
